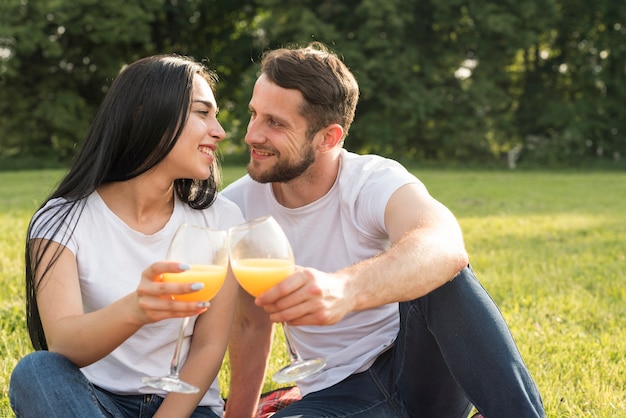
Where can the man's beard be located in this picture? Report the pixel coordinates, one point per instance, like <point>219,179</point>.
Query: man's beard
<point>284,171</point>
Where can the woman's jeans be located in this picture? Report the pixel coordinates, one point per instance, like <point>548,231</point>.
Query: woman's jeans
<point>46,384</point>
<point>454,350</point>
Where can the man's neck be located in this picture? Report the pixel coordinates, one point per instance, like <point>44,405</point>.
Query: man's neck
<point>310,186</point>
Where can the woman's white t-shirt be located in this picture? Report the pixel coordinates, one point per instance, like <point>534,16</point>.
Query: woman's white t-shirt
<point>342,228</point>
<point>110,257</point>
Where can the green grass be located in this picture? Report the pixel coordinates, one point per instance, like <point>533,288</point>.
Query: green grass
<point>549,246</point>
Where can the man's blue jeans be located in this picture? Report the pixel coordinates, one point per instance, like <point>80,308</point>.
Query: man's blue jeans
<point>46,384</point>
<point>454,350</point>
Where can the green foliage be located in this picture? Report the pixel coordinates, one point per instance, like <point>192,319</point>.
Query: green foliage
<point>464,80</point>
<point>574,75</point>
<point>533,82</point>
<point>63,55</point>
<point>62,60</point>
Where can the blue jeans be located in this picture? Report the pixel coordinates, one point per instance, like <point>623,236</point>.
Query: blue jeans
<point>45,384</point>
<point>453,350</point>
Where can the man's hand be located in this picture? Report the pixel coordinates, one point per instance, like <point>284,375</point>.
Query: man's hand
<point>308,297</point>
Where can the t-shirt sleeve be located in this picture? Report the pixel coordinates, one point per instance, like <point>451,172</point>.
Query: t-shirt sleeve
<point>378,181</point>
<point>56,221</point>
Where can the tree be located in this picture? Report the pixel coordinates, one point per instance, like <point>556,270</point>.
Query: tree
<point>463,80</point>
<point>473,79</point>
<point>61,56</point>
<point>571,106</point>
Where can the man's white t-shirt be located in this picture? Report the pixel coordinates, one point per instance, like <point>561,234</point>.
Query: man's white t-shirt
<point>111,257</point>
<point>342,228</point>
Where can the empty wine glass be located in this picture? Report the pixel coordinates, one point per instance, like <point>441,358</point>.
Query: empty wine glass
<point>261,257</point>
<point>205,250</point>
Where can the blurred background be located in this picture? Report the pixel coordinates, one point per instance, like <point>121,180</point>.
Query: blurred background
<point>502,83</point>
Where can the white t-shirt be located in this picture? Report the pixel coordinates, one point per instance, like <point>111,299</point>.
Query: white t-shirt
<point>110,257</point>
<point>343,227</point>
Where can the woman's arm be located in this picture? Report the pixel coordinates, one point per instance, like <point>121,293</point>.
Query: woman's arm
<point>87,337</point>
<point>208,346</point>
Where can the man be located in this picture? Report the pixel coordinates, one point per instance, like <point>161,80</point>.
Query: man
<point>385,292</point>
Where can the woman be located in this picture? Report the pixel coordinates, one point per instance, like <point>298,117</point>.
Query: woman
<point>96,311</point>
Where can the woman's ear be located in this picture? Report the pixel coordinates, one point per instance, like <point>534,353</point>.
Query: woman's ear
<point>333,134</point>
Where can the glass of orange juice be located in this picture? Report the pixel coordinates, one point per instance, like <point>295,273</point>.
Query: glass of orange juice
<point>212,276</point>
<point>261,257</point>
<point>205,250</point>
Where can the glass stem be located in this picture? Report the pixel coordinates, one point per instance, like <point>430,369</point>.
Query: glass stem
<point>179,344</point>
<point>293,353</point>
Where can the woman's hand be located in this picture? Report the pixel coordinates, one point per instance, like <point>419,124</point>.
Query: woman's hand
<point>154,296</point>
<point>85,337</point>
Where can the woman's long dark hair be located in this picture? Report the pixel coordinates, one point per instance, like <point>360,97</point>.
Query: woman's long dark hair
<point>136,126</point>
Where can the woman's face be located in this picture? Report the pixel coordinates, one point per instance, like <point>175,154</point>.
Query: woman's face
<point>194,151</point>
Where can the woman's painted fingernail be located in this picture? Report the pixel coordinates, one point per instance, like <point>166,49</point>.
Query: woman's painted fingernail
<point>184,266</point>
<point>204,304</point>
<point>197,286</point>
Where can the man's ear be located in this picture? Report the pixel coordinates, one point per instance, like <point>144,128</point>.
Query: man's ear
<point>333,135</point>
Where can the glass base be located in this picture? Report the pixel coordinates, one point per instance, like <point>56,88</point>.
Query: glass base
<point>299,370</point>
<point>170,384</point>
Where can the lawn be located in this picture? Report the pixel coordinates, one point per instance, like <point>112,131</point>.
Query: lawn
<point>548,246</point>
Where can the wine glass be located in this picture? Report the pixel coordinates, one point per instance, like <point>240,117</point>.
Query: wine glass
<point>261,257</point>
<point>205,250</point>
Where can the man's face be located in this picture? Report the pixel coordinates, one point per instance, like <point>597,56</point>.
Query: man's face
<point>279,148</point>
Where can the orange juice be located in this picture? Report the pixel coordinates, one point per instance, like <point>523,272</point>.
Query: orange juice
<point>257,275</point>
<point>211,275</point>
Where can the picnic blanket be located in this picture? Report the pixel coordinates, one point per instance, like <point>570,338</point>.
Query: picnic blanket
<point>277,399</point>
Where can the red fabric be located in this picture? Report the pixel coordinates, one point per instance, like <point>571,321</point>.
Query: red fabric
<point>272,402</point>
<point>276,400</point>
